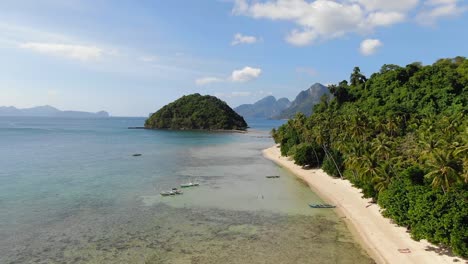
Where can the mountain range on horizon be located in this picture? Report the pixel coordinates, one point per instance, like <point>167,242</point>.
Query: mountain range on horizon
<point>267,107</point>
<point>282,108</point>
<point>49,111</point>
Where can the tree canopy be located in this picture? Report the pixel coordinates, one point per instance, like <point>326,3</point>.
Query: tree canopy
<point>401,136</point>
<point>196,112</point>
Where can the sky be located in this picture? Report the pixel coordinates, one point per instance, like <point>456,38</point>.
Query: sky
<point>132,57</point>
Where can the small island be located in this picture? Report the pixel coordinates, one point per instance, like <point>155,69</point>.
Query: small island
<point>196,112</point>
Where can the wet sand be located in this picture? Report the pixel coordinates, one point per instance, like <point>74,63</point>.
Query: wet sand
<point>383,240</point>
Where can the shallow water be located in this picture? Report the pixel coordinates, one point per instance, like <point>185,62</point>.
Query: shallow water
<point>71,192</point>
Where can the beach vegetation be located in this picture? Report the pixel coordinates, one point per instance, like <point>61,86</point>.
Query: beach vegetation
<point>401,136</point>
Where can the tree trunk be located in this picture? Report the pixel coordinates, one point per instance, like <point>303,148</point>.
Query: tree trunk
<point>331,157</point>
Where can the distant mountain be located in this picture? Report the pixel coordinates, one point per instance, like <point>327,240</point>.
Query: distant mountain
<point>267,107</point>
<point>304,101</point>
<point>48,111</point>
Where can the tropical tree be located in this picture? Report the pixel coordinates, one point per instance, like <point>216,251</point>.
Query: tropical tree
<point>444,169</point>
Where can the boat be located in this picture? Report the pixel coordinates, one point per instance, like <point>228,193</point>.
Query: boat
<point>273,177</point>
<point>176,191</point>
<point>322,206</point>
<point>173,191</point>
<point>190,184</point>
<point>137,155</point>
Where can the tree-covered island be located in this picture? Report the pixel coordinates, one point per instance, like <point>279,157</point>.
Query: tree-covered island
<point>196,112</point>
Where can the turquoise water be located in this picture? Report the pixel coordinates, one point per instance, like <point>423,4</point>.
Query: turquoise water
<point>71,192</point>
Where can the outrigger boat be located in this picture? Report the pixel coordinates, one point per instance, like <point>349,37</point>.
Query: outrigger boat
<point>173,191</point>
<point>190,184</point>
<point>322,206</point>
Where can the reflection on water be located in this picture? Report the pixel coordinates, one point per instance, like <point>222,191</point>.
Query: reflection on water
<point>74,194</point>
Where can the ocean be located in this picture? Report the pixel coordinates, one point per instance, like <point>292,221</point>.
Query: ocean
<point>71,191</point>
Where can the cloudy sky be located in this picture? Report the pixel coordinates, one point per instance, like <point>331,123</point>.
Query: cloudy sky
<point>132,57</point>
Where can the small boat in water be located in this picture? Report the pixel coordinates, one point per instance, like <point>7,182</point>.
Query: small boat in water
<point>173,191</point>
<point>176,191</point>
<point>322,206</point>
<point>272,177</point>
<point>190,184</point>
<point>136,155</point>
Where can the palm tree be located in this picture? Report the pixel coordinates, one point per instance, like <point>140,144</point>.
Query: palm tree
<point>444,169</point>
<point>369,166</point>
<point>428,142</point>
<point>383,177</point>
<point>322,138</point>
<point>462,154</point>
<point>382,146</point>
<point>392,127</point>
<point>351,161</point>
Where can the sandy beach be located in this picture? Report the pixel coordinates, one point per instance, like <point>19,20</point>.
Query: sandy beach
<point>383,240</point>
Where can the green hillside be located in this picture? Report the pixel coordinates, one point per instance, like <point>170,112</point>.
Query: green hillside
<point>401,136</point>
<point>196,112</point>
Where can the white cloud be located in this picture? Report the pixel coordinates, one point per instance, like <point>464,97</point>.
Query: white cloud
<point>76,52</point>
<point>301,38</point>
<point>328,19</point>
<point>378,19</point>
<point>245,74</point>
<point>388,5</point>
<point>243,39</point>
<point>370,46</point>
<point>436,9</point>
<point>207,80</point>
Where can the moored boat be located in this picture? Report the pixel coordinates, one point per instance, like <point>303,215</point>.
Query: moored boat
<point>173,191</point>
<point>322,206</point>
<point>190,184</point>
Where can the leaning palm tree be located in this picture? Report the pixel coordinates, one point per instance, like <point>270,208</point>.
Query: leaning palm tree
<point>322,138</point>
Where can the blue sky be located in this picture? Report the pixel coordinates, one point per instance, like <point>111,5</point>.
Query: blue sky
<point>132,57</point>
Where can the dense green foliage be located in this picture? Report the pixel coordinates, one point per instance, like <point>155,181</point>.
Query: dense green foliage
<point>308,155</point>
<point>402,137</point>
<point>196,112</point>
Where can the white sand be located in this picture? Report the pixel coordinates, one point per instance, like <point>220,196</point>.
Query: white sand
<point>377,234</point>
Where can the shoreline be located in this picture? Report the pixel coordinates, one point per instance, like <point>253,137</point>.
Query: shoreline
<point>381,239</point>
<point>195,130</point>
